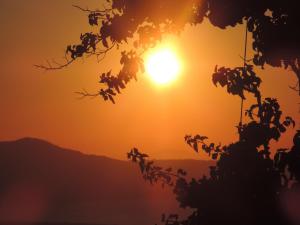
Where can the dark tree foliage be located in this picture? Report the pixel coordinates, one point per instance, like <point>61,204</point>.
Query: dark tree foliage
<point>273,24</point>
<point>247,182</point>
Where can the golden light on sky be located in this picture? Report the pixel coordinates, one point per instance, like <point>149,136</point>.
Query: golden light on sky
<point>163,65</point>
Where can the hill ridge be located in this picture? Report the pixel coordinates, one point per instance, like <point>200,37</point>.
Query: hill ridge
<point>43,182</point>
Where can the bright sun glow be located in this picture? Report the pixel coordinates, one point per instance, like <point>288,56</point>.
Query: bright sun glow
<point>163,66</point>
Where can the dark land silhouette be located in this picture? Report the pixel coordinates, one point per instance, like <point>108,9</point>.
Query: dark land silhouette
<point>42,182</point>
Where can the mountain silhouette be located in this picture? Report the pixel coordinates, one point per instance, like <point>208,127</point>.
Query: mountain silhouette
<point>41,182</point>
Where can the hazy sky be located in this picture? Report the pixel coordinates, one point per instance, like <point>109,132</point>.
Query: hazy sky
<point>155,119</point>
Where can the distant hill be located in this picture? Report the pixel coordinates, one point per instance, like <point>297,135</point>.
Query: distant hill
<point>43,182</point>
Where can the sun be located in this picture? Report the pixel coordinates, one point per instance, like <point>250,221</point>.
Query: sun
<point>163,65</point>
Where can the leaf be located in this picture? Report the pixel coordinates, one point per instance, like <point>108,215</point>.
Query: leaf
<point>142,167</point>
<point>201,138</point>
<point>216,68</point>
<point>281,128</point>
<point>214,156</point>
<point>212,145</point>
<point>104,42</point>
<point>290,119</point>
<point>195,146</point>
<point>111,99</point>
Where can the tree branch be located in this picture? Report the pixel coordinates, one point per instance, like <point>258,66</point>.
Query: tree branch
<point>92,11</point>
<point>84,94</point>
<point>57,66</point>
<point>296,87</point>
<point>296,69</point>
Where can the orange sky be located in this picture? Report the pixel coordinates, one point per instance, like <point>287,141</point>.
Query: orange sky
<point>155,119</point>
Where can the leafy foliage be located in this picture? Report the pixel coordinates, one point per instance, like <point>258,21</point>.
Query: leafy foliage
<point>132,64</point>
<point>154,173</point>
<point>245,185</point>
<point>238,80</point>
<point>273,24</point>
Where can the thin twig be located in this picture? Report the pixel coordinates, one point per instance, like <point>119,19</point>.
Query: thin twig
<point>84,94</point>
<point>57,67</point>
<point>245,60</point>
<point>296,87</point>
<point>245,65</point>
<point>92,11</point>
